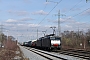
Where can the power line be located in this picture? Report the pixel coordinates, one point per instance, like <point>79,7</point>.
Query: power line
<point>74,6</point>
<point>50,11</point>
<point>43,9</point>
<point>81,12</point>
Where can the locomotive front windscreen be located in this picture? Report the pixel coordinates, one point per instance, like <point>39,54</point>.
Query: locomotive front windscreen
<point>55,38</point>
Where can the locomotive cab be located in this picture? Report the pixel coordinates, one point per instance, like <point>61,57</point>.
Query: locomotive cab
<point>55,42</point>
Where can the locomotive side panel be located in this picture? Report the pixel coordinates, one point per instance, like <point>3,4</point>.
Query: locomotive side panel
<point>38,43</point>
<point>46,42</point>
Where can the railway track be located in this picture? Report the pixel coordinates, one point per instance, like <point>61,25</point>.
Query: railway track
<point>55,54</point>
<point>60,54</point>
<point>45,54</point>
<point>76,53</point>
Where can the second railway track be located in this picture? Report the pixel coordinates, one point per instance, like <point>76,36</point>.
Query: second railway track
<point>75,53</point>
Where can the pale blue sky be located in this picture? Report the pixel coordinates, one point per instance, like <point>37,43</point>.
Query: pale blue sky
<point>22,18</point>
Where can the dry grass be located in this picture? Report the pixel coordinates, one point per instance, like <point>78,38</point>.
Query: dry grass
<point>6,54</point>
<point>9,51</point>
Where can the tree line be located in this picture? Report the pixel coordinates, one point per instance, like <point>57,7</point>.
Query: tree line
<point>76,39</point>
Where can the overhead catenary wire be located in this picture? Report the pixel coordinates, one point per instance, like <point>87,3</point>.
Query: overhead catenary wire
<point>53,8</point>
<point>56,5</point>
<point>81,12</point>
<point>79,7</point>
<point>49,13</point>
<point>43,9</point>
<point>74,6</point>
<point>70,9</point>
